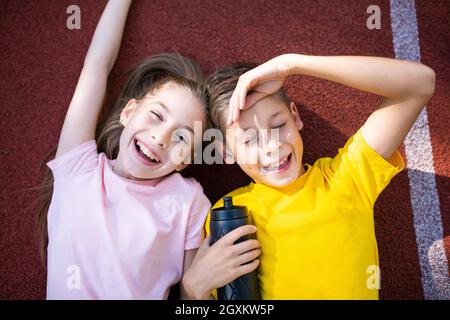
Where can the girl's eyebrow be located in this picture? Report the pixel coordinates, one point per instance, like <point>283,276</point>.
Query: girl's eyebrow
<point>162,105</point>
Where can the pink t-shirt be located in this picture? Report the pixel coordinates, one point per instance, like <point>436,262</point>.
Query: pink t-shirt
<point>114,238</point>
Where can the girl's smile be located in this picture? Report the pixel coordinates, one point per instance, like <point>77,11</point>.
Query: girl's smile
<point>155,129</point>
<point>145,155</point>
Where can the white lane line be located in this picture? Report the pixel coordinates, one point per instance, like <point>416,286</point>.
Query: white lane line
<point>419,157</point>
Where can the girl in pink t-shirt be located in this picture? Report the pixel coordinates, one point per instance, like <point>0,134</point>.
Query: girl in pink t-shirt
<point>122,222</point>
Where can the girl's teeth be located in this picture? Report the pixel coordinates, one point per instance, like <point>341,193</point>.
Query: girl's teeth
<point>146,151</point>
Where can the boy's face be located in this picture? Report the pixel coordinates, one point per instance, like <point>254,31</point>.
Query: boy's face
<point>266,142</point>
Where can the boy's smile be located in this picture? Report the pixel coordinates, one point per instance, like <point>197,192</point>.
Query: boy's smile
<point>278,166</point>
<point>266,142</point>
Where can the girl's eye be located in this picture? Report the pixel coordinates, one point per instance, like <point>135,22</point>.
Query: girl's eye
<point>157,115</point>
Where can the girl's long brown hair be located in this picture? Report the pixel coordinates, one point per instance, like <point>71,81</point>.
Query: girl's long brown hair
<point>143,78</point>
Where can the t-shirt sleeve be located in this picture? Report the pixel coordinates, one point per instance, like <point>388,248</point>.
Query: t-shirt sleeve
<point>197,215</point>
<point>363,169</point>
<point>76,162</point>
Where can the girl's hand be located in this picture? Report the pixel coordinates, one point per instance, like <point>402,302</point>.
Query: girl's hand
<point>215,266</point>
<point>263,80</point>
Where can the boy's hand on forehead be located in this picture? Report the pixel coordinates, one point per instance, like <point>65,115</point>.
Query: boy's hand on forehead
<point>258,83</point>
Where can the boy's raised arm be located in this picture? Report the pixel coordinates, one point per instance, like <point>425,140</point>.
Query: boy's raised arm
<point>404,86</point>
<point>82,114</point>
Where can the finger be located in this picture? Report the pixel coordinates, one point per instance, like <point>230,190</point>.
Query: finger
<point>235,234</point>
<point>235,106</point>
<point>253,98</point>
<point>248,256</point>
<point>246,245</point>
<point>236,112</point>
<point>269,87</point>
<point>230,111</point>
<point>242,87</point>
<point>232,106</point>
<point>248,267</point>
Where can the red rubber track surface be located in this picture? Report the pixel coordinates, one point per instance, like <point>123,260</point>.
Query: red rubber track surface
<point>41,60</point>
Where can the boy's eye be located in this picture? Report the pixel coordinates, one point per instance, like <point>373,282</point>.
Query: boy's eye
<point>248,140</point>
<point>181,138</point>
<point>279,126</point>
<point>157,115</point>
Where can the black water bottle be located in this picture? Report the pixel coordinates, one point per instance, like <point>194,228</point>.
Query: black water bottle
<point>224,220</point>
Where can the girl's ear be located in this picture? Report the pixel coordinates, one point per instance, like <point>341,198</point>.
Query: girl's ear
<point>181,166</point>
<point>296,115</point>
<point>128,111</point>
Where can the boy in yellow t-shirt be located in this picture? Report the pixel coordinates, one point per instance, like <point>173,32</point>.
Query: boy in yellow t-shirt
<point>314,222</point>
<point>317,233</point>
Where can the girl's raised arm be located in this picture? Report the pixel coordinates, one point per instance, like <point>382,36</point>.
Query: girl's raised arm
<point>82,115</point>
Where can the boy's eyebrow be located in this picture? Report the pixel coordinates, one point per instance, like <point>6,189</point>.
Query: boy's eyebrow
<point>167,110</point>
<point>270,118</point>
<point>188,128</point>
<point>275,114</point>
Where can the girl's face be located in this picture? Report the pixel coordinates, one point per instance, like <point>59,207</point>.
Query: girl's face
<point>159,133</point>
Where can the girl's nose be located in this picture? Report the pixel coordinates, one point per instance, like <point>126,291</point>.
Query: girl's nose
<point>160,139</point>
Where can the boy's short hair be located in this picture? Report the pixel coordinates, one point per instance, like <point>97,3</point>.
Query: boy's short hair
<point>221,85</point>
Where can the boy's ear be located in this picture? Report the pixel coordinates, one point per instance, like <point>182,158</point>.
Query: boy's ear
<point>128,111</point>
<point>296,115</point>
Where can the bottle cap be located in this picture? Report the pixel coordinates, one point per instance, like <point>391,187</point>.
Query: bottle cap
<point>228,211</point>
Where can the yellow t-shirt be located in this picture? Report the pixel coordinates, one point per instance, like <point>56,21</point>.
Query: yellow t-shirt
<point>317,234</point>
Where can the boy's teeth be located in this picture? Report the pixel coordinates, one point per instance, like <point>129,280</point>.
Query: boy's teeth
<point>146,151</point>
<point>278,165</point>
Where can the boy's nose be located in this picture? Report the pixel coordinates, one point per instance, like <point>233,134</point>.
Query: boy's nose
<point>272,148</point>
